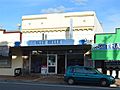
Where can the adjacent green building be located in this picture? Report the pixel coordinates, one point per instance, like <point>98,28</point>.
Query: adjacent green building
<point>106,53</point>
<point>107,46</point>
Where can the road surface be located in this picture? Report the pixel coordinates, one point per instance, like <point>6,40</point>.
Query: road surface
<point>38,86</point>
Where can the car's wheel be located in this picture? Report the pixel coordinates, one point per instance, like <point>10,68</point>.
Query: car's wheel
<point>104,83</point>
<point>70,81</point>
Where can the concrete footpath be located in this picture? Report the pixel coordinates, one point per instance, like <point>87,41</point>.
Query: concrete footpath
<point>44,79</point>
<point>48,79</point>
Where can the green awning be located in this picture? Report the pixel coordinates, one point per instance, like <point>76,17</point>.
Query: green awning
<point>105,54</point>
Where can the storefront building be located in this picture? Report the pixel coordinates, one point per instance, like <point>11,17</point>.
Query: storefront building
<point>51,59</point>
<point>67,34</point>
<point>51,42</point>
<point>106,52</point>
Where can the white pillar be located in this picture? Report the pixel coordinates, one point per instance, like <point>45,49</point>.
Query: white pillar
<point>113,73</point>
<point>108,72</point>
<point>119,74</point>
<point>99,69</point>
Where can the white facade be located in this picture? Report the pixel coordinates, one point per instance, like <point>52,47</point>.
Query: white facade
<point>55,26</point>
<point>9,38</point>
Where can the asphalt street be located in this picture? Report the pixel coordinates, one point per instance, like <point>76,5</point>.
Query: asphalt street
<point>37,86</point>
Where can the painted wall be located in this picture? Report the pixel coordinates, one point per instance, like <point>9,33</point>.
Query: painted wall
<point>54,26</point>
<point>9,38</point>
<point>79,35</point>
<point>110,53</point>
<point>58,20</point>
<point>98,26</point>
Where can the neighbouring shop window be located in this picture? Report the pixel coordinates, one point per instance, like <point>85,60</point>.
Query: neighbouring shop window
<point>99,63</point>
<point>38,62</point>
<point>75,59</point>
<point>5,60</point>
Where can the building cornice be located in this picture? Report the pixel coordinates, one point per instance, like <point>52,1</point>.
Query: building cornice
<point>77,28</point>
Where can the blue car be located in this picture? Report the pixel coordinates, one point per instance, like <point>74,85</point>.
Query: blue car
<point>75,74</point>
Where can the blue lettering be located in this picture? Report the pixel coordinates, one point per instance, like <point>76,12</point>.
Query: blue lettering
<point>40,42</point>
<point>37,42</point>
<point>117,46</point>
<point>53,42</point>
<point>59,41</point>
<point>44,42</point>
<point>113,46</point>
<point>49,42</point>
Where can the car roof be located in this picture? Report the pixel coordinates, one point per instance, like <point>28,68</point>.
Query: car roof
<point>78,66</point>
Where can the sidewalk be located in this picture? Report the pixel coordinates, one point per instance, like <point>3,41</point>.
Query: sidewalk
<point>45,79</point>
<point>53,79</point>
<point>117,82</point>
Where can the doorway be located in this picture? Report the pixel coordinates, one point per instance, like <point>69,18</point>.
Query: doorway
<point>52,63</point>
<point>61,64</point>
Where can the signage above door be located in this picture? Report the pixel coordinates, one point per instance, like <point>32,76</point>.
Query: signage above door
<point>50,42</point>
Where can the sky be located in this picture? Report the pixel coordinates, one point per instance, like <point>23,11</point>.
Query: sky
<point>11,11</point>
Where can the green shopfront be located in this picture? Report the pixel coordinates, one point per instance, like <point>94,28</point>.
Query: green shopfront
<point>106,53</point>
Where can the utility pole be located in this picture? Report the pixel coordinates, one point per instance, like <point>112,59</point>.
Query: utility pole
<point>18,26</point>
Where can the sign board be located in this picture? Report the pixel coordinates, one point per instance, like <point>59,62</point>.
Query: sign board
<point>114,46</point>
<point>106,51</point>
<point>50,42</point>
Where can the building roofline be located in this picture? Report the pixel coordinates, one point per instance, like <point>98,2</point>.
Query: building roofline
<point>65,14</point>
<point>8,32</point>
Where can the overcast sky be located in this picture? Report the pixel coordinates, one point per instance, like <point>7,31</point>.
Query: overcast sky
<point>107,11</point>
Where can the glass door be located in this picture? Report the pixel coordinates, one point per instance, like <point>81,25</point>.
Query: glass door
<point>52,64</point>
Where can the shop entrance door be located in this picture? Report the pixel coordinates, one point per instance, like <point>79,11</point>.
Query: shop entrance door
<point>52,64</point>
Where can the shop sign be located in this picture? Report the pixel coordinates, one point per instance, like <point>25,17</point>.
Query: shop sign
<point>50,42</point>
<point>114,46</point>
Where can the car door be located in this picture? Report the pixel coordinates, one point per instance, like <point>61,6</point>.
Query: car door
<point>79,74</point>
<point>91,75</point>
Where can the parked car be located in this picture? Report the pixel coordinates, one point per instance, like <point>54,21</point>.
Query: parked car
<point>83,74</point>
